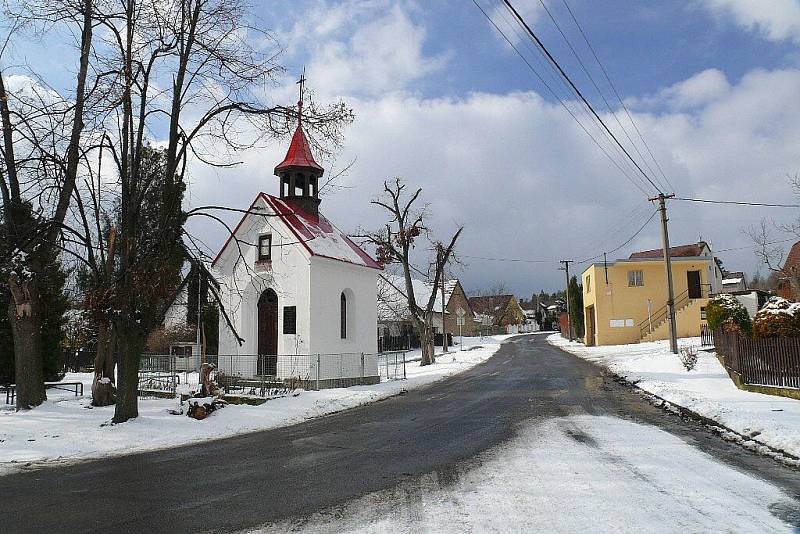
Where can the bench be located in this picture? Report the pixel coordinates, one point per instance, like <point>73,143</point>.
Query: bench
<point>77,387</point>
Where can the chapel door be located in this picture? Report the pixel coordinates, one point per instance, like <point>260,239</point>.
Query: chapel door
<point>693,281</point>
<point>267,333</point>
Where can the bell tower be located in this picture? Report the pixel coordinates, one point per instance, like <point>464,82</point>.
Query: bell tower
<point>299,173</point>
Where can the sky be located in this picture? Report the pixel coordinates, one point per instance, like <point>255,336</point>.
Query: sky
<point>443,102</point>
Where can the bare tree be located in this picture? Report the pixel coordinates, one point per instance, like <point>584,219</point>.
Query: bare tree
<point>188,67</point>
<point>41,139</point>
<point>770,238</point>
<point>394,244</point>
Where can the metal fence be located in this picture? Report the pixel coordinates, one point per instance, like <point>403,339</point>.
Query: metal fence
<point>392,365</point>
<point>765,362</point>
<point>267,375</point>
<point>706,336</point>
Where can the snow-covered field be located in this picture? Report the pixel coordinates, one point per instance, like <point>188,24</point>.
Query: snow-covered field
<point>66,428</point>
<point>576,474</point>
<point>707,390</point>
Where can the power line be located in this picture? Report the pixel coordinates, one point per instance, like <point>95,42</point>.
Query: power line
<point>558,98</point>
<point>639,231</point>
<point>616,93</point>
<point>515,260</point>
<point>572,95</point>
<point>578,91</point>
<point>756,245</point>
<point>599,91</point>
<point>737,202</point>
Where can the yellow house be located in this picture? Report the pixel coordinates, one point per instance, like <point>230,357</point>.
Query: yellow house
<point>625,301</point>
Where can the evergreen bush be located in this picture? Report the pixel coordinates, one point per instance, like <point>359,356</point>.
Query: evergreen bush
<point>778,318</point>
<point>724,307</point>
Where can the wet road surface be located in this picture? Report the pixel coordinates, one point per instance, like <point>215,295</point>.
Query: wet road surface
<point>251,480</point>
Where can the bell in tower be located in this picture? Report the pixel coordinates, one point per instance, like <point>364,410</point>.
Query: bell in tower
<point>299,173</point>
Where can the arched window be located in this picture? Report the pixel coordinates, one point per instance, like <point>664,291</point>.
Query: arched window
<point>343,315</point>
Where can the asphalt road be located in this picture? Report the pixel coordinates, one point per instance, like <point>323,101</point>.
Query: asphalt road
<point>250,480</point>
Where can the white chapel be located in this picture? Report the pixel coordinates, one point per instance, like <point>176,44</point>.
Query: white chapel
<point>291,281</point>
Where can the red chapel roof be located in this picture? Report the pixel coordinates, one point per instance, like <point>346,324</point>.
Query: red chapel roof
<point>299,153</point>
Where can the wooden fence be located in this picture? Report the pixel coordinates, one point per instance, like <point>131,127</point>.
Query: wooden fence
<point>765,362</point>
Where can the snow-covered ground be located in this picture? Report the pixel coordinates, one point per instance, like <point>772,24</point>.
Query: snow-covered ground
<point>707,390</point>
<point>67,428</point>
<point>575,474</point>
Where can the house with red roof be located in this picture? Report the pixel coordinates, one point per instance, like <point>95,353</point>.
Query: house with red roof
<point>292,282</point>
<point>790,274</point>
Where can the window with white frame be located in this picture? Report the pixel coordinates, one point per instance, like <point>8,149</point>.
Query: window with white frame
<point>635,278</point>
<point>265,247</point>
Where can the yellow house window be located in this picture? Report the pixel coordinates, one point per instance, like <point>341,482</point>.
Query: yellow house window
<point>635,278</point>
<point>588,283</point>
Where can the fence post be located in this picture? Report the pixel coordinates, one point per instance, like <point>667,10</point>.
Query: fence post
<point>362,367</point>
<point>318,370</point>
<point>404,366</point>
<point>263,371</point>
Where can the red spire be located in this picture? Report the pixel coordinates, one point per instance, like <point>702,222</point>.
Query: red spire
<point>299,153</point>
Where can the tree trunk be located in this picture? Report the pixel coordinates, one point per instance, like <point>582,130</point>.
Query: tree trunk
<point>23,313</point>
<point>103,390</point>
<point>130,347</point>
<point>426,343</point>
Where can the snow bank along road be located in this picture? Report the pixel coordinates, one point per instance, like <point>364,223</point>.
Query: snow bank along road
<point>533,439</point>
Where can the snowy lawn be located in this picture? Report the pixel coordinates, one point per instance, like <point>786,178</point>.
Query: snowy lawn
<point>575,474</point>
<point>67,428</point>
<point>707,390</point>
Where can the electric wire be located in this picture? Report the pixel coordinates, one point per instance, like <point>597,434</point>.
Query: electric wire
<point>617,94</point>
<point>639,231</point>
<point>541,45</point>
<point>600,92</point>
<point>553,93</point>
<point>736,202</point>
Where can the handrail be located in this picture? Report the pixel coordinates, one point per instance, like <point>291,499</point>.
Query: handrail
<point>661,314</point>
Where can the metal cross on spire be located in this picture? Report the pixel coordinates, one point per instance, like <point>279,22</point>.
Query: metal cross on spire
<point>301,82</point>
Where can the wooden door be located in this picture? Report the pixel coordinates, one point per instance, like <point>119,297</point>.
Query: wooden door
<point>590,333</point>
<point>267,333</point>
<point>693,282</point>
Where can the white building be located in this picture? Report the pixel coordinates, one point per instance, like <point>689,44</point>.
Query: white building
<point>293,284</point>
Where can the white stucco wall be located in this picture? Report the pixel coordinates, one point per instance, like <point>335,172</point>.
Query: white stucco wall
<point>312,284</point>
<point>177,312</point>
<point>329,278</point>
<point>289,277</point>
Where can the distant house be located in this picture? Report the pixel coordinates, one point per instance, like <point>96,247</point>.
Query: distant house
<point>790,271</point>
<point>497,311</point>
<point>394,319</point>
<point>733,281</point>
<point>626,301</point>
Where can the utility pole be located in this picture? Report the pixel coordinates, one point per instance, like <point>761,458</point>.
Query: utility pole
<point>673,329</point>
<point>569,314</point>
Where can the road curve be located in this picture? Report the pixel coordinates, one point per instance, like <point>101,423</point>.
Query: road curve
<point>254,479</point>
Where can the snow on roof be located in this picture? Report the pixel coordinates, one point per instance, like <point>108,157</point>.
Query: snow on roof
<point>392,300</point>
<point>315,232</point>
<point>319,235</point>
<point>731,281</point>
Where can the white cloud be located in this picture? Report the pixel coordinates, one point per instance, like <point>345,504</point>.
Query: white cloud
<point>703,88</point>
<point>515,169</point>
<point>527,183</point>
<point>776,20</point>
<point>362,48</point>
